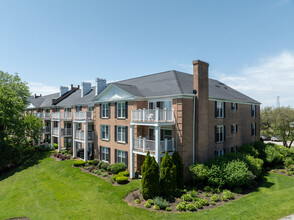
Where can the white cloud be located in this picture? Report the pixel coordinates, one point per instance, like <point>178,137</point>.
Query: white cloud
<point>271,77</point>
<point>41,88</point>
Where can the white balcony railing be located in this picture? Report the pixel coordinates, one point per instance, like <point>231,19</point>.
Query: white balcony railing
<point>46,129</point>
<point>144,145</point>
<point>38,115</point>
<point>62,115</point>
<point>83,116</point>
<point>153,115</point>
<point>46,116</point>
<point>80,135</point>
<point>66,131</point>
<point>55,131</point>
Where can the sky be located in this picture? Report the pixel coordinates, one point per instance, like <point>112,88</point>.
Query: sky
<point>249,45</point>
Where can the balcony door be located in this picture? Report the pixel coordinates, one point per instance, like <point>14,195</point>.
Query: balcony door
<point>165,133</point>
<point>160,105</point>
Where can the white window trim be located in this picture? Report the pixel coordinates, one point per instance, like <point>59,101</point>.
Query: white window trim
<point>121,117</point>
<point>234,128</point>
<point>105,109</point>
<point>234,106</point>
<point>253,108</point>
<point>220,109</point>
<point>223,133</point>
<point>108,152</point>
<point>122,156</point>
<point>123,134</point>
<point>106,133</point>
<point>253,127</point>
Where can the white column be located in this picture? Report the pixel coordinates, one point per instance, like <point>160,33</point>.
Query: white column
<point>157,144</point>
<point>165,144</point>
<point>59,136</point>
<point>132,173</point>
<point>85,141</point>
<point>52,139</point>
<point>157,115</point>
<point>74,141</point>
<point>173,144</point>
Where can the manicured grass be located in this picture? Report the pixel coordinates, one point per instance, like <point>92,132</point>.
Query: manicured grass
<point>55,190</point>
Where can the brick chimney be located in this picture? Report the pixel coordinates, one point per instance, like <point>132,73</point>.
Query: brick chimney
<point>200,84</point>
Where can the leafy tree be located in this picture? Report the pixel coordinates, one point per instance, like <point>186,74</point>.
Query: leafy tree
<point>15,126</point>
<point>150,178</point>
<point>180,168</point>
<point>278,122</point>
<point>168,176</point>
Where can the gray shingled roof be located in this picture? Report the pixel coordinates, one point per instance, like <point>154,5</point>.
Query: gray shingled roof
<point>159,84</point>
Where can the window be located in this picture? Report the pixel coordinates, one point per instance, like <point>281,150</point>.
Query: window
<point>58,109</point>
<point>234,106</point>
<point>105,132</point>
<point>121,157</point>
<point>79,126</point>
<point>79,108</point>
<point>121,109</point>
<point>219,134</point>
<point>219,109</point>
<point>67,109</point>
<point>121,134</point>
<point>105,154</point>
<point>160,105</point>
<point>234,129</point>
<point>253,129</point>
<point>234,149</point>
<point>90,108</point>
<point>219,152</point>
<point>105,110</point>
<point>253,111</point>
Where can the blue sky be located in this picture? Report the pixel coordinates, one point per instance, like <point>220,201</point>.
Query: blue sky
<point>248,44</point>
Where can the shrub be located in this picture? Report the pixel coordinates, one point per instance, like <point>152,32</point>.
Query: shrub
<point>118,167</point>
<point>64,152</point>
<point>168,209</point>
<point>162,203</point>
<point>150,186</point>
<point>111,180</point>
<point>150,201</point>
<point>100,164</point>
<point>97,172</point>
<point>248,150</point>
<point>55,146</point>
<point>199,173</point>
<point>191,207</point>
<point>193,193</point>
<point>187,197</point>
<point>95,162</point>
<point>79,163</point>
<point>122,179</point>
<point>212,202</point>
<point>147,205</point>
<point>156,207</point>
<point>238,190</point>
<point>168,176</point>
<point>254,165</point>
<point>208,189</point>
<point>237,174</point>
<point>215,198</point>
<point>204,202</point>
<point>228,194</point>
<point>181,206</point>
<point>215,176</point>
<point>137,201</point>
<point>260,147</point>
<point>104,174</point>
<point>273,156</point>
<point>124,173</point>
<point>198,205</point>
<point>176,159</point>
<point>288,162</point>
<point>90,162</point>
<point>104,166</point>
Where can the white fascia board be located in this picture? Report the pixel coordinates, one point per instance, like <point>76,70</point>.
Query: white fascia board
<point>233,101</point>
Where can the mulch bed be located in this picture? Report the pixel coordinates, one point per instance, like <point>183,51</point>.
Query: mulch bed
<point>130,199</point>
<point>18,218</point>
<point>282,172</point>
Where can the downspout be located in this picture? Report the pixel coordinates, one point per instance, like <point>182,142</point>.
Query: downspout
<point>194,118</point>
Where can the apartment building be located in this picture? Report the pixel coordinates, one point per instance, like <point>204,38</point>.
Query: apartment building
<point>121,121</point>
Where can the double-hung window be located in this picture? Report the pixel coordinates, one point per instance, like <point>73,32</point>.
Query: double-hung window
<point>219,108</point>
<point>105,132</point>
<point>121,134</point>
<point>253,111</point>
<point>90,108</point>
<point>105,110</point>
<point>219,152</point>
<point>121,110</point>
<point>253,129</point>
<point>121,156</point>
<point>105,154</point>
<point>219,134</point>
<point>234,106</point>
<point>234,128</point>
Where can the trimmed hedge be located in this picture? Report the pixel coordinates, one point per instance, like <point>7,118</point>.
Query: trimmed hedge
<point>122,179</point>
<point>79,163</point>
<point>118,167</point>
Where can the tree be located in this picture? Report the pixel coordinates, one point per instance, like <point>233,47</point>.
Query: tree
<point>15,126</point>
<point>278,122</point>
<point>180,168</point>
<point>168,176</point>
<point>150,178</point>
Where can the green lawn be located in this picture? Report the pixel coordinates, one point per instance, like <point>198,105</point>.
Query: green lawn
<point>55,190</point>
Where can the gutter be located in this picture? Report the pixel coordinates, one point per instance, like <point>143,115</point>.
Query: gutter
<point>194,118</point>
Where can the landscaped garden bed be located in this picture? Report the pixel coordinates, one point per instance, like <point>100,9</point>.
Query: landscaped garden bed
<point>115,174</point>
<point>218,181</point>
<point>63,155</point>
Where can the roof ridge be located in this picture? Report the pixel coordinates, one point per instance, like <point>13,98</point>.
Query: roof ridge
<point>146,75</point>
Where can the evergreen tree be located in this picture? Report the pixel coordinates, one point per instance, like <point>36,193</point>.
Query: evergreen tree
<point>180,168</point>
<point>150,178</point>
<point>168,176</point>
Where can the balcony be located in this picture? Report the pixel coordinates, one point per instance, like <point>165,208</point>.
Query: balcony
<point>83,116</point>
<point>46,129</point>
<point>64,131</point>
<point>38,115</point>
<point>145,145</point>
<point>80,135</point>
<point>46,116</point>
<point>153,116</point>
<point>61,116</point>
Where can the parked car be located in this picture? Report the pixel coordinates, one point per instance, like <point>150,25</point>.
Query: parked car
<point>274,138</point>
<point>265,138</point>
